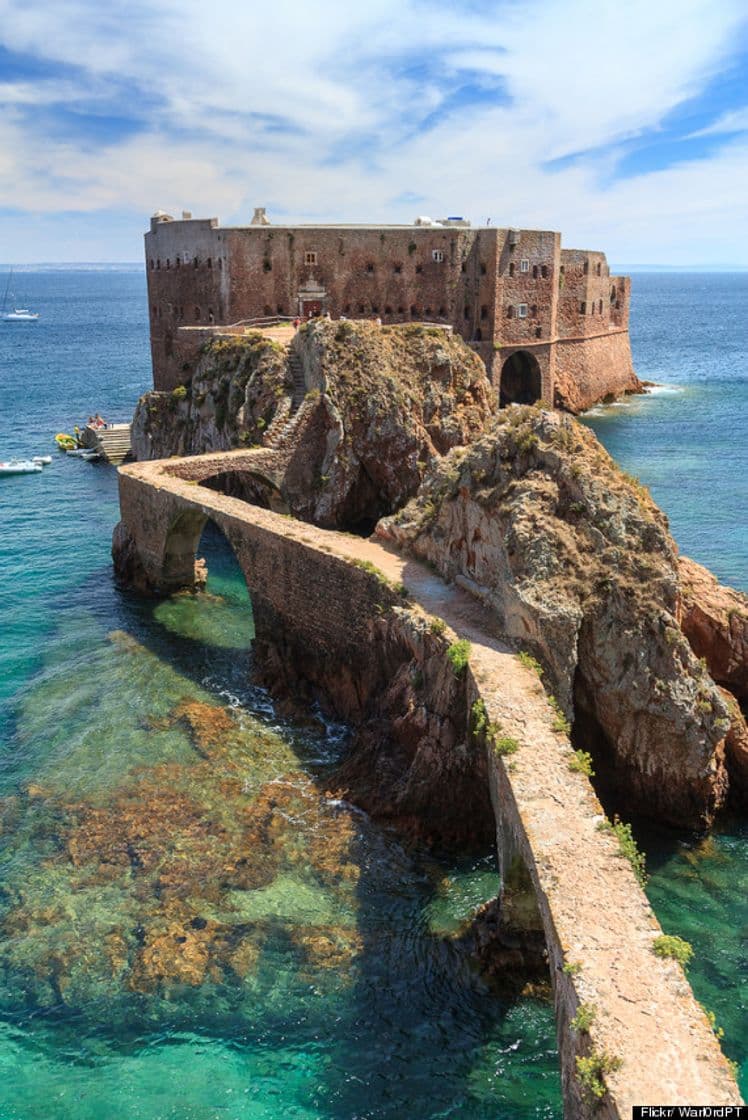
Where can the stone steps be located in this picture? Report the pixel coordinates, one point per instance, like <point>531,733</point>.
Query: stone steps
<point>299,381</point>
<point>114,443</point>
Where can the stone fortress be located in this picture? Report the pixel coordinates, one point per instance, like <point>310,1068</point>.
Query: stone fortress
<point>549,323</point>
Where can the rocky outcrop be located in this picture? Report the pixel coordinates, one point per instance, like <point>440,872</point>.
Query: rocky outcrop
<point>382,404</point>
<point>714,618</point>
<point>576,564</point>
<point>230,401</point>
<point>392,400</point>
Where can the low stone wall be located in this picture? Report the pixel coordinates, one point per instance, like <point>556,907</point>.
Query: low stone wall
<point>328,605</point>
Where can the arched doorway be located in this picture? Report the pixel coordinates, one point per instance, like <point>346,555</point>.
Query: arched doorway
<point>521,382</point>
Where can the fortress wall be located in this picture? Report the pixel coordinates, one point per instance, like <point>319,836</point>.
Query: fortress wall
<point>588,370</point>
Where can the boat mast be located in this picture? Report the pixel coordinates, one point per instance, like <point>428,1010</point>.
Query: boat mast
<point>7,289</point>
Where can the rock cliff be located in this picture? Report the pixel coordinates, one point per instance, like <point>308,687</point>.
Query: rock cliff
<point>576,564</point>
<point>381,405</point>
<point>232,398</point>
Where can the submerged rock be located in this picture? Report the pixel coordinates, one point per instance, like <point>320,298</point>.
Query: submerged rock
<point>576,564</point>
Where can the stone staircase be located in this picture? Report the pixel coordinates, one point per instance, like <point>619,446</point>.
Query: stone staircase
<point>299,381</point>
<point>114,443</point>
<point>290,409</point>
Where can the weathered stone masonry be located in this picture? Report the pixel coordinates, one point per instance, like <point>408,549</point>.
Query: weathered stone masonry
<point>308,594</point>
<point>507,292</point>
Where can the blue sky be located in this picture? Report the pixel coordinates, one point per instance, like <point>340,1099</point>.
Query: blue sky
<point>622,123</point>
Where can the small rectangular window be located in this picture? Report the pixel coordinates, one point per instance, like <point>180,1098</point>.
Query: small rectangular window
<point>524,265</point>
<point>437,255</point>
<point>310,258</point>
<point>522,311</point>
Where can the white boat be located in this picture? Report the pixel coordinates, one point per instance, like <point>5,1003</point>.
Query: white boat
<point>18,314</point>
<point>20,466</point>
<point>43,459</point>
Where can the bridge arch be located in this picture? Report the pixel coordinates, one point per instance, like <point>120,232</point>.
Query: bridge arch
<point>521,380</point>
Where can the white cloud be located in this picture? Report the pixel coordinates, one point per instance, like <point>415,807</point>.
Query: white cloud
<point>581,75</point>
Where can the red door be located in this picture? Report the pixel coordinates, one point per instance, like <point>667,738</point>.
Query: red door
<point>310,307</point>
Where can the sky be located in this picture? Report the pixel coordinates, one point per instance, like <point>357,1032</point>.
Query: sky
<point>621,123</point>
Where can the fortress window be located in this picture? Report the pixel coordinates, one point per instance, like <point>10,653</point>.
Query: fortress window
<point>361,309</point>
<point>310,258</point>
<point>534,272</point>
<point>601,307</point>
<point>544,271</point>
<point>151,262</point>
<point>467,312</point>
<point>397,269</point>
<point>442,313</point>
<point>599,268</point>
<point>437,255</point>
<point>414,312</point>
<point>220,263</point>
<point>370,269</point>
<point>281,309</point>
<point>484,312</point>
<point>195,262</point>
<point>534,310</point>
<point>524,265</point>
<point>510,312</point>
<point>538,332</point>
<point>347,309</point>
<point>178,262</point>
<point>158,263</point>
<point>479,335</point>
<point>463,267</point>
<point>428,312</point>
<point>511,269</point>
<point>168,263</point>
<point>583,308</point>
<point>401,310</point>
<point>522,311</point>
<point>613,294</point>
<point>209,262</point>
<point>586,267</point>
<point>375,309</point>
<point>267,264</point>
<point>211,316</point>
<point>388,310</point>
<point>197,314</point>
<point>482,269</point>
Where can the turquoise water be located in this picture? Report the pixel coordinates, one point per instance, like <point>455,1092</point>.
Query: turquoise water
<point>190,926</point>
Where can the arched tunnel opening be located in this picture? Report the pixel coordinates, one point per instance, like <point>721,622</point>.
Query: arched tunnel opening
<point>521,381</point>
<point>248,487</point>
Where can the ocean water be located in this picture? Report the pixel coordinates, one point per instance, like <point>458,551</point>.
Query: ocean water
<point>191,925</point>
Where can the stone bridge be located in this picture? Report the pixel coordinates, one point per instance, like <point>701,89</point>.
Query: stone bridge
<point>328,599</point>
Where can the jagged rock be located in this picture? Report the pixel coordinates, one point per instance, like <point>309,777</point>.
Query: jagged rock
<point>382,404</point>
<point>736,751</point>
<point>576,563</point>
<point>714,618</point>
<point>231,400</point>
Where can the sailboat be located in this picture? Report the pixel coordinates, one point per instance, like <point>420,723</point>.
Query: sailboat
<point>18,314</point>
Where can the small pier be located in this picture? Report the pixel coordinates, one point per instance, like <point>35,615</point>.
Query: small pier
<point>113,442</point>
